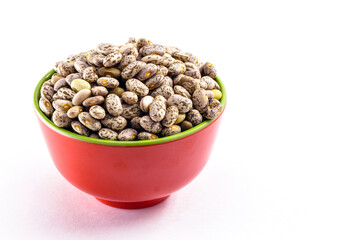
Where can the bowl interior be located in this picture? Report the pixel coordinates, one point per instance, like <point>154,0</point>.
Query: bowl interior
<point>70,134</point>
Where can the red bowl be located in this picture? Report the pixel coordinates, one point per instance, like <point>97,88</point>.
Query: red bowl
<point>129,174</point>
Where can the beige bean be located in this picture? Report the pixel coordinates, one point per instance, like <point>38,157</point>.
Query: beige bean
<point>80,66</point>
<point>181,91</point>
<point>145,103</point>
<point>60,84</point>
<point>71,77</point>
<point>79,84</point>
<point>89,74</point>
<point>56,77</point>
<point>214,109</point>
<point>80,96</point>
<point>135,123</point>
<point>147,71</point>
<point>47,92</point>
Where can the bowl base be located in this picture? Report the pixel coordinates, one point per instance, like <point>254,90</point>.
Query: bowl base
<point>133,205</point>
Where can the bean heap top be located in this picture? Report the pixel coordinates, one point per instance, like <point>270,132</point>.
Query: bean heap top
<point>138,90</point>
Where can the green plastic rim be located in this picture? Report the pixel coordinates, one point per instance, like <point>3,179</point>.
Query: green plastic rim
<point>70,134</point>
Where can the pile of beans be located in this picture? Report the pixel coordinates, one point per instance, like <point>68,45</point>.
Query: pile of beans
<point>138,90</point>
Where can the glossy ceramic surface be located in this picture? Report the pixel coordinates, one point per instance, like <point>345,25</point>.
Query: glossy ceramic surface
<point>129,174</point>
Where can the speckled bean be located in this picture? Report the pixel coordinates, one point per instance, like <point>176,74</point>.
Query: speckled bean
<point>79,128</point>
<point>99,91</point>
<point>181,91</point>
<point>60,83</point>
<point>74,111</point>
<point>164,90</point>
<point>147,71</point>
<point>209,70</point>
<point>91,123</point>
<point>157,110</point>
<point>115,123</point>
<point>149,125</point>
<point>131,110</point>
<point>129,97</point>
<point>200,99</point>
<point>132,69</point>
<point>66,93</point>
<point>62,105</point>
<point>135,123</point>
<point>154,49</point>
<point>80,66</point>
<point>173,129</point>
<point>171,116</point>
<point>109,72</point>
<point>108,82</point>
<point>128,134</point>
<point>194,116</point>
<point>125,61</point>
<point>137,87</point>
<point>113,104</point>
<point>214,109</point>
<point>182,103</point>
<point>147,136</point>
<point>71,77</point>
<point>46,107</point>
<point>89,74</point>
<point>154,82</point>
<point>107,133</point>
<point>91,101</point>
<point>60,119</point>
<point>97,112</point>
<point>47,92</point>
<point>112,59</point>
<point>176,69</point>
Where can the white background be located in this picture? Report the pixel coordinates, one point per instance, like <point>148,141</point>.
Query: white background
<point>286,161</point>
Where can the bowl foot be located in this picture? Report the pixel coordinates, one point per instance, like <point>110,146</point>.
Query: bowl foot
<point>133,205</point>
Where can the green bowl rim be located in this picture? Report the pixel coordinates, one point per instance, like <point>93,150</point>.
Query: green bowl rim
<point>70,134</point>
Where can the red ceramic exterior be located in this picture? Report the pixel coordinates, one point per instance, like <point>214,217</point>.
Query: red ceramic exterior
<point>130,175</point>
